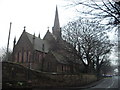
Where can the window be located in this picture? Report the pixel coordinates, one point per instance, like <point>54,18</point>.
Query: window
<point>18,57</point>
<point>24,57</point>
<point>27,57</point>
<point>49,66</point>
<point>58,68</point>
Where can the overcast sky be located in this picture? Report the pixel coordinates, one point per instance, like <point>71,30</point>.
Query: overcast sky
<point>36,15</point>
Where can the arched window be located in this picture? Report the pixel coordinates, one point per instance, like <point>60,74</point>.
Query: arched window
<point>27,57</point>
<point>22,53</point>
<point>49,66</point>
<point>58,68</point>
<point>24,58</point>
<point>18,57</point>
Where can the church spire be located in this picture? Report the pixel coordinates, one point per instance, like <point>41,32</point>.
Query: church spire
<point>56,21</point>
<point>56,27</point>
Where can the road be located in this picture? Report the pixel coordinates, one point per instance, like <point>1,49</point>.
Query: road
<point>111,83</point>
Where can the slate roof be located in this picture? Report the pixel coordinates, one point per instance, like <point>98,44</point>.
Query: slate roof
<point>60,58</point>
<point>39,43</point>
<point>65,58</point>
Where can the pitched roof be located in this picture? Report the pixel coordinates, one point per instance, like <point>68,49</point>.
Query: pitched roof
<point>38,45</point>
<point>49,35</point>
<point>60,58</point>
<point>66,58</point>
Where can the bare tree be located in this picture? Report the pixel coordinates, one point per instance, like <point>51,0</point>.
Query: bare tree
<point>107,68</point>
<point>88,38</point>
<point>100,9</point>
<point>102,53</point>
<point>6,55</point>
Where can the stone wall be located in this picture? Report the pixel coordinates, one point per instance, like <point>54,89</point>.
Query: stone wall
<point>12,72</point>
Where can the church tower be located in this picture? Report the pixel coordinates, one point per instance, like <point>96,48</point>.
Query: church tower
<point>56,30</point>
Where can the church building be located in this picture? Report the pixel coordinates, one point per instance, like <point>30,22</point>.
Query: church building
<point>50,54</point>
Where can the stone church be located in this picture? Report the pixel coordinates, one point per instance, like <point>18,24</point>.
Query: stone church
<point>50,54</point>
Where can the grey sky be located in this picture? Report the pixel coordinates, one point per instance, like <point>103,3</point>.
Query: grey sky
<point>36,15</point>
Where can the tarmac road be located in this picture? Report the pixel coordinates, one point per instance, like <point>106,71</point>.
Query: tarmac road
<point>112,83</point>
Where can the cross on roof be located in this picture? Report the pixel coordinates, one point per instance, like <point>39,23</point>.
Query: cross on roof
<point>24,27</point>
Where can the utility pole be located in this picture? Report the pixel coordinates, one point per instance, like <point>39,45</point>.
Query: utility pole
<point>8,40</point>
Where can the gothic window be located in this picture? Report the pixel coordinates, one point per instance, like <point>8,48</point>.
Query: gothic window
<point>49,66</point>
<point>58,68</point>
<point>27,56</point>
<point>64,68</point>
<point>24,57</point>
<point>16,60</point>
<point>18,57</point>
<point>34,58</point>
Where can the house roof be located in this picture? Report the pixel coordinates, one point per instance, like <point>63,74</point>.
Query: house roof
<point>38,43</point>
